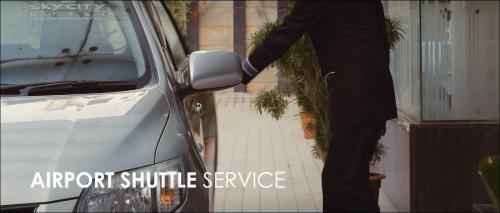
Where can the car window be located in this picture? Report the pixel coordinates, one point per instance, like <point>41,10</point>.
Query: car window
<point>173,39</point>
<point>50,41</point>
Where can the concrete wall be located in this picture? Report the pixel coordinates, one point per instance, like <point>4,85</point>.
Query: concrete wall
<point>395,164</point>
<point>215,25</point>
<point>216,31</point>
<point>258,12</point>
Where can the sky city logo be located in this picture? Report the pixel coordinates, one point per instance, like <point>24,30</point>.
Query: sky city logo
<point>69,10</point>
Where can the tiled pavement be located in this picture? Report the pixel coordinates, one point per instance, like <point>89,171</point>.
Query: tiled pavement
<point>249,142</point>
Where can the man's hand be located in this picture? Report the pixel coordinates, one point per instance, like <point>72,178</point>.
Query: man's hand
<point>249,71</point>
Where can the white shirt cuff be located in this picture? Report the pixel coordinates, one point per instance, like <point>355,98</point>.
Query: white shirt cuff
<point>249,68</point>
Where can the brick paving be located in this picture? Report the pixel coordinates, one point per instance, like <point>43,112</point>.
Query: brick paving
<point>249,142</point>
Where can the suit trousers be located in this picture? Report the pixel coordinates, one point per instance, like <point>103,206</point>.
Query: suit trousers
<point>346,170</point>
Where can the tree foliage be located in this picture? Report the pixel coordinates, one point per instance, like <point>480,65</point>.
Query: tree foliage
<point>180,11</point>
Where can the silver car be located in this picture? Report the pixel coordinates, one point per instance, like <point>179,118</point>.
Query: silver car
<point>104,86</point>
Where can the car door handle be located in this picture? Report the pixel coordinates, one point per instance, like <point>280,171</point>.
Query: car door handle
<point>200,148</point>
<point>198,108</point>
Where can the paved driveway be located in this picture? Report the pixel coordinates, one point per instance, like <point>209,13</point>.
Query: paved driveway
<point>249,142</point>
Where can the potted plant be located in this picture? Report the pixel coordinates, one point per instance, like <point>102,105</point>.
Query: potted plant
<point>376,178</point>
<point>306,86</point>
<point>307,125</point>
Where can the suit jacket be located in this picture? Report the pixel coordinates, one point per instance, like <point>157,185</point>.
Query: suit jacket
<point>350,41</point>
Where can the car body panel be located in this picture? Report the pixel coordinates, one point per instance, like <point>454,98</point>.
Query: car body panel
<point>76,133</point>
<point>62,206</point>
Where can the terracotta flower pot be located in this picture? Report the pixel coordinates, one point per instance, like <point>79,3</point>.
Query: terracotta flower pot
<point>306,120</point>
<point>375,180</point>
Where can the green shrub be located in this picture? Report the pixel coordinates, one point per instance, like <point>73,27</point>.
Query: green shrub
<point>179,11</point>
<point>299,65</point>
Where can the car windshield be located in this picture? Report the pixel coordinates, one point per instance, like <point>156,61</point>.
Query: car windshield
<point>57,41</point>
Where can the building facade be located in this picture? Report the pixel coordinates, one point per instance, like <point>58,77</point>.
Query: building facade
<point>446,77</point>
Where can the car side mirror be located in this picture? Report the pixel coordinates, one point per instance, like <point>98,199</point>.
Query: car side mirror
<point>212,70</point>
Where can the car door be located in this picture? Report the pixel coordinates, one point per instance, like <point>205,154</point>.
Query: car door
<point>199,108</point>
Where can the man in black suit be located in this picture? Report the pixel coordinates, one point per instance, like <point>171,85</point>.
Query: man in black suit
<point>350,41</point>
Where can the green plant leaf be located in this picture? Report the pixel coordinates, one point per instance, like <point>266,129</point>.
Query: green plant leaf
<point>489,172</point>
<point>272,102</point>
